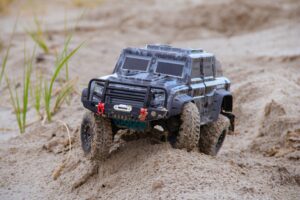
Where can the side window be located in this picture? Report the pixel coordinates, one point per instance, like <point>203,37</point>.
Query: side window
<point>208,67</point>
<point>196,69</point>
<point>218,68</point>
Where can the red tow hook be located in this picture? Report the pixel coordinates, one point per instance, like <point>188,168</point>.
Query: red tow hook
<point>100,108</point>
<point>143,114</point>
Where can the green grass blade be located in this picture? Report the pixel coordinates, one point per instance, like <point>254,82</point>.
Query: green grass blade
<point>39,40</point>
<point>15,103</point>
<point>62,63</point>
<point>59,66</point>
<point>38,93</point>
<point>18,113</point>
<point>26,85</point>
<point>47,97</point>
<point>39,30</point>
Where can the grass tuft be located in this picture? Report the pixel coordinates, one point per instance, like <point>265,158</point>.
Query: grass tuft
<point>40,88</point>
<point>21,112</point>
<point>62,59</point>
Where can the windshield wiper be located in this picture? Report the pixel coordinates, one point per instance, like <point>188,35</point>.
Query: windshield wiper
<point>133,72</point>
<point>163,75</point>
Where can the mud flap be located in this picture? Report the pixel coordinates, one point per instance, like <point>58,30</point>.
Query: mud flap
<point>231,118</point>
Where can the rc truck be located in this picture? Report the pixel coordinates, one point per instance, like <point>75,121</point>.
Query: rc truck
<point>179,90</point>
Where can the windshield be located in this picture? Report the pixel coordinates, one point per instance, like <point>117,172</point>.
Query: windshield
<point>137,64</point>
<point>167,68</point>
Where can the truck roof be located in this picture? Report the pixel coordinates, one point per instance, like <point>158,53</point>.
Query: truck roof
<point>167,50</point>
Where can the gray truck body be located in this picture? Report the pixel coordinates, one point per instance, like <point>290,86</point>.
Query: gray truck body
<point>161,79</point>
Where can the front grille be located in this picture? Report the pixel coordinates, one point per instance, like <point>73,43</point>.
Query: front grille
<point>125,94</point>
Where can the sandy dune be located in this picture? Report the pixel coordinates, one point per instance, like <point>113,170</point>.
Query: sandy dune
<point>259,47</point>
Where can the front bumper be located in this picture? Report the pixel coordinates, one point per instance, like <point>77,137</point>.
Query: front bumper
<point>152,113</point>
<point>111,99</point>
<point>134,114</point>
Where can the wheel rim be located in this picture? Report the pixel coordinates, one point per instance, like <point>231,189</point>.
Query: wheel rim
<point>220,140</point>
<point>86,138</point>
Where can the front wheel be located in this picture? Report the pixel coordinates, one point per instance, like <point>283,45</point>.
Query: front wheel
<point>189,130</point>
<point>96,136</point>
<point>213,135</point>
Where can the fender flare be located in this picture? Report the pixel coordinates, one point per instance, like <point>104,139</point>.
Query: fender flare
<point>85,101</point>
<point>178,102</point>
<point>222,102</point>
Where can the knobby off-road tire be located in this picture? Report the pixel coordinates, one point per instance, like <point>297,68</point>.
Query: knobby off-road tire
<point>189,130</point>
<point>96,136</point>
<point>213,135</point>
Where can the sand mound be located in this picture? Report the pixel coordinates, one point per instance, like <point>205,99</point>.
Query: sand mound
<point>196,20</point>
<point>275,137</point>
<point>141,170</point>
<point>232,17</point>
<point>282,58</point>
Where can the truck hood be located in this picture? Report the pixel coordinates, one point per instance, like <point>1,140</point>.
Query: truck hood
<point>146,79</point>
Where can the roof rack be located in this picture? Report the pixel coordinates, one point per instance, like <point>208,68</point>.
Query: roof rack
<point>164,47</point>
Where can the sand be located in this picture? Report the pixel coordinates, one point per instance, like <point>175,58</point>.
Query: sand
<point>258,45</point>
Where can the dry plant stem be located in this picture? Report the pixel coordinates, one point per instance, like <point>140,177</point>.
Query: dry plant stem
<point>14,102</point>
<point>64,92</point>
<point>59,169</point>
<point>69,136</point>
<point>38,36</point>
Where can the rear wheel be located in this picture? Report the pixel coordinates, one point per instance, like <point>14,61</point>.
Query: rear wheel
<point>189,130</point>
<point>213,136</point>
<point>96,136</point>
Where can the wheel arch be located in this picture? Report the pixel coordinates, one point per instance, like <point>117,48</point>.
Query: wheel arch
<point>178,102</point>
<point>227,103</point>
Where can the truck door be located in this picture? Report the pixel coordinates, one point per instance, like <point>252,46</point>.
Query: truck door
<point>197,87</point>
<point>208,73</point>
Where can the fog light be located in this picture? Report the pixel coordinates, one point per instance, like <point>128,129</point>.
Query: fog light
<point>153,114</point>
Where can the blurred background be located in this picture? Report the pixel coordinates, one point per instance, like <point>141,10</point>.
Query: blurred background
<point>109,25</point>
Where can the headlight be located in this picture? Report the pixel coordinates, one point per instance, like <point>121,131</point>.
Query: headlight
<point>96,91</point>
<point>158,98</point>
